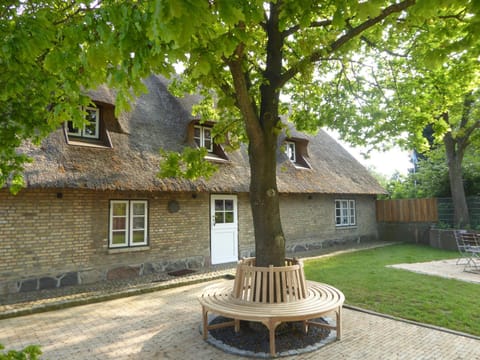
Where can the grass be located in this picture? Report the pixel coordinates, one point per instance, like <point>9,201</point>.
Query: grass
<point>367,283</point>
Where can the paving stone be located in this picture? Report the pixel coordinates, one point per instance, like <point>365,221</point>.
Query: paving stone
<point>165,325</point>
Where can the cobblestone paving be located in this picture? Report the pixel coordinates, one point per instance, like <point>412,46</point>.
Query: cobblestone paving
<point>151,324</point>
<point>165,325</point>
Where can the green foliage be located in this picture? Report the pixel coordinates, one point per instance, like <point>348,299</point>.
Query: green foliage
<point>430,179</point>
<point>52,51</point>
<point>31,352</point>
<point>190,164</point>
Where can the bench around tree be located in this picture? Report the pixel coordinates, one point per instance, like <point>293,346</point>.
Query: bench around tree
<point>271,295</point>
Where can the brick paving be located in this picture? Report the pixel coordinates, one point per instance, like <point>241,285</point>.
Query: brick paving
<point>160,318</point>
<point>165,325</point>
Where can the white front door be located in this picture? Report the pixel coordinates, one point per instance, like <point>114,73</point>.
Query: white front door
<point>224,228</point>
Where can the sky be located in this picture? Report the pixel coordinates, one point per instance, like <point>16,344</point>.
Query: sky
<point>386,163</point>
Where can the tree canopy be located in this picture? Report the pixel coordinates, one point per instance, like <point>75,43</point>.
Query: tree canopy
<point>254,60</point>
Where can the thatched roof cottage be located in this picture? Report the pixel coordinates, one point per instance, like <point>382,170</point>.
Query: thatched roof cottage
<point>94,207</point>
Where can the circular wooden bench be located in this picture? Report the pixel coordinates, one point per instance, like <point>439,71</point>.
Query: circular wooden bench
<point>271,295</point>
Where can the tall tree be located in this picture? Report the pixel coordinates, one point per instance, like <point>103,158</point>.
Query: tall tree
<point>242,55</point>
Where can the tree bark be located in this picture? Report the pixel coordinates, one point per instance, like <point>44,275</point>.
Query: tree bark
<point>454,153</point>
<point>262,126</point>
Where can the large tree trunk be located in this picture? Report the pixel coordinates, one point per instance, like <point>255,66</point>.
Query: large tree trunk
<point>263,126</point>
<point>454,154</point>
<point>264,201</point>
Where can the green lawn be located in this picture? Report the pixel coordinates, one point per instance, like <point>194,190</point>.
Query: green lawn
<point>367,283</point>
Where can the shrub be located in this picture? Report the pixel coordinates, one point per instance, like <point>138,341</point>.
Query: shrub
<point>31,352</point>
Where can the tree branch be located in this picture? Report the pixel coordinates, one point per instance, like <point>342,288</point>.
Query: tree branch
<point>313,24</point>
<point>349,35</point>
<point>243,100</point>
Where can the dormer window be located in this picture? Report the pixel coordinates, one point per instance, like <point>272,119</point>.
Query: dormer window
<point>199,134</point>
<point>296,151</point>
<point>94,132</point>
<point>203,137</point>
<point>91,130</point>
<point>290,151</point>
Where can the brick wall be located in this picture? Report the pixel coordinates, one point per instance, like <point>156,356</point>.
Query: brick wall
<point>309,221</point>
<point>48,232</point>
<point>61,235</point>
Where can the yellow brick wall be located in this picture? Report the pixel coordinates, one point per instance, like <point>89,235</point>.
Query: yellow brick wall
<point>46,232</point>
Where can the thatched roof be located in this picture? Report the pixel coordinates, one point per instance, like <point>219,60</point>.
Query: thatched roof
<point>160,121</point>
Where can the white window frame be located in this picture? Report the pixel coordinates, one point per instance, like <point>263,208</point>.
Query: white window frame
<point>345,213</point>
<point>201,139</point>
<point>129,223</point>
<point>82,132</point>
<point>290,150</point>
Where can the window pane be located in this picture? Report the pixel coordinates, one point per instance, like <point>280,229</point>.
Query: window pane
<point>138,223</point>
<point>72,129</point>
<point>119,223</point>
<point>196,132</point>
<point>91,127</point>
<point>219,205</point>
<point>290,149</point>
<point>229,217</point>
<point>119,209</point>
<point>219,218</point>
<point>207,134</point>
<point>229,205</point>
<point>138,209</point>
<point>208,145</point>
<point>119,238</point>
<point>197,136</point>
<point>138,236</point>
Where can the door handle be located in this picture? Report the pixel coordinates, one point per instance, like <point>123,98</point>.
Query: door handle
<point>213,220</point>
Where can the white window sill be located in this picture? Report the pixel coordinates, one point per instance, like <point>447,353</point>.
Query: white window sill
<point>128,249</point>
<point>345,227</point>
<point>215,158</point>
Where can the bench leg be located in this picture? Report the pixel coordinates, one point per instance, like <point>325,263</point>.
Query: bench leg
<point>272,340</point>
<point>339,323</point>
<point>272,325</point>
<point>237,325</point>
<point>305,326</point>
<point>205,323</point>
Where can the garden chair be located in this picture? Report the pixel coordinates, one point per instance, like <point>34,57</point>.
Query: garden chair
<point>471,245</point>
<point>461,246</point>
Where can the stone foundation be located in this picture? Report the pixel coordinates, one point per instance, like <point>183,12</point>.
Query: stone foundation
<point>90,276</point>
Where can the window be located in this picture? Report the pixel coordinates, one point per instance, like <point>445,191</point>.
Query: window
<point>203,137</point>
<point>290,151</point>
<point>128,223</point>
<point>345,213</point>
<point>224,211</point>
<point>91,129</point>
<point>296,151</point>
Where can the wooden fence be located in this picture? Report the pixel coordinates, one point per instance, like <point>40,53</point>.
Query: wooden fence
<point>407,210</point>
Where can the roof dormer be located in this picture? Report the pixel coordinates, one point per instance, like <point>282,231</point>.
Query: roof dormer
<point>94,132</point>
<point>200,135</point>
<point>296,151</point>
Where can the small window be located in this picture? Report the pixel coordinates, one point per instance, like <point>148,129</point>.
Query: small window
<point>203,137</point>
<point>290,151</point>
<point>296,151</point>
<point>128,223</point>
<point>91,129</point>
<point>345,213</point>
